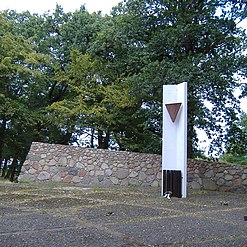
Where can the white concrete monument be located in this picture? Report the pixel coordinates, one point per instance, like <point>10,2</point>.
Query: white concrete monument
<point>174,149</point>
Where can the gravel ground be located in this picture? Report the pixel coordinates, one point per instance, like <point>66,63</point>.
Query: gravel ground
<point>54,214</point>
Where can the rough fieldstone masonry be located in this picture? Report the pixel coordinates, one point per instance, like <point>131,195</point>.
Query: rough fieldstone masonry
<point>217,176</point>
<point>88,166</point>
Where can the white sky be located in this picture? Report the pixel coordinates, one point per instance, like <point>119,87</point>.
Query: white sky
<point>41,6</point>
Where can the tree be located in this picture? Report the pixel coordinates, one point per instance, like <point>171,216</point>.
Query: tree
<point>112,46</point>
<point>237,137</point>
<point>188,41</point>
<point>236,145</point>
<point>95,100</point>
<point>55,34</point>
<point>20,89</point>
<point>103,76</point>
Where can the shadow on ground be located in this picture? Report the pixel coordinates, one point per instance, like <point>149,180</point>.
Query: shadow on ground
<point>54,214</point>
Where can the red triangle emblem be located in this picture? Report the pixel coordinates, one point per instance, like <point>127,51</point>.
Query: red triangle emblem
<point>173,110</point>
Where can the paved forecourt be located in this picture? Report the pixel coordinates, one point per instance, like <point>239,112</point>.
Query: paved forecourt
<point>55,214</point>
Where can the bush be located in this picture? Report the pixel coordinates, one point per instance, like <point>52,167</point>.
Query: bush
<point>236,159</point>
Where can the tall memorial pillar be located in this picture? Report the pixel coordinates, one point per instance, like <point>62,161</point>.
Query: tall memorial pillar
<point>174,148</point>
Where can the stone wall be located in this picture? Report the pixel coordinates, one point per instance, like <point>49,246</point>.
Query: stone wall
<point>217,176</point>
<point>87,166</point>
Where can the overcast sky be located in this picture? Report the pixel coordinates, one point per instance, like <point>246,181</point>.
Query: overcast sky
<point>41,6</point>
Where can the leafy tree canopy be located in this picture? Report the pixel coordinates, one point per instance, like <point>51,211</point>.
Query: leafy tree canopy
<point>194,41</point>
<point>67,75</point>
<point>21,86</point>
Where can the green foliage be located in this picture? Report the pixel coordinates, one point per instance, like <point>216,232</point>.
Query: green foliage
<point>237,138</point>
<point>187,41</point>
<point>64,76</point>
<point>21,82</point>
<point>234,159</point>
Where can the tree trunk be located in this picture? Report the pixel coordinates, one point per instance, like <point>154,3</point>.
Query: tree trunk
<point>191,136</point>
<point>4,168</point>
<point>18,168</point>
<point>103,139</point>
<point>11,171</point>
<point>2,137</point>
<point>92,138</point>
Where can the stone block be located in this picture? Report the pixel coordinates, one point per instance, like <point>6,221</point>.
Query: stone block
<point>101,178</point>
<point>159,175</point>
<point>237,182</point>
<point>52,162</point>
<point>94,181</point>
<point>45,168</point>
<point>53,170</point>
<point>63,161</point>
<point>209,174</point>
<point>122,173</point>
<point>209,184</point>
<point>27,177</point>
<point>220,181</point>
<point>244,182</point>
<point>42,163</point>
<point>224,189</point>
<point>232,172</point>
<point>195,185</point>
<point>71,163</point>
<point>190,178</point>
<point>108,172</point>
<point>67,179</point>
<point>63,174</point>
<point>34,157</point>
<point>221,169</point>
<point>72,171</point>
<point>35,165</point>
<point>155,184</point>
<point>150,178</point>
<point>56,178</point>
<point>149,172</point>
<point>99,173</point>
<point>133,174</point>
<point>124,182</point>
<point>202,170</point>
<point>229,183</point>
<point>134,181</point>
<point>32,171</point>
<point>120,165</point>
<point>219,175</point>
<point>228,177</point>
<point>81,173</point>
<point>44,176</point>
<point>104,166</point>
<point>114,180</point>
<point>142,176</point>
<point>90,167</point>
